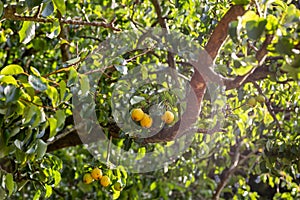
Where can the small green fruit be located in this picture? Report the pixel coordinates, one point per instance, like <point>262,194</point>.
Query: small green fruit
<point>251,102</point>
<point>118,186</point>
<point>260,99</point>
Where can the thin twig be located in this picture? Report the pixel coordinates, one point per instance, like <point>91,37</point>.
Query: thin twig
<point>108,151</point>
<point>109,25</point>
<point>163,24</point>
<point>268,104</point>
<point>260,56</point>
<point>237,161</point>
<point>228,173</point>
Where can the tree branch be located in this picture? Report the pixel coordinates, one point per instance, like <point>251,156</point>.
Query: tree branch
<point>258,74</point>
<point>269,107</point>
<point>162,23</point>
<point>237,160</point>
<point>220,33</point>
<point>9,15</point>
<point>198,85</point>
<point>260,56</point>
<point>161,20</point>
<point>64,48</point>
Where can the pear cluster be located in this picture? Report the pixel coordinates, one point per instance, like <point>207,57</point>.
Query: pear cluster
<point>146,120</point>
<point>252,101</point>
<point>97,175</point>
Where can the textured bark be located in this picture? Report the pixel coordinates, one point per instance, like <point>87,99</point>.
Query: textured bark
<point>220,33</point>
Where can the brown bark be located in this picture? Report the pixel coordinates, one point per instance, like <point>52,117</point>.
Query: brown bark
<point>220,33</point>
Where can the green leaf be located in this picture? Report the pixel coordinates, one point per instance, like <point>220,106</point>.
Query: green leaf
<point>21,156</point>
<point>11,93</point>
<point>48,9</point>
<point>60,117</point>
<point>272,24</point>
<point>53,126</point>
<point>41,148</point>
<point>33,3</point>
<point>284,46</point>
<point>35,71</point>
<point>255,28</point>
<point>1,8</point>
<point>53,95</point>
<point>9,80</point>
<point>153,186</point>
<point>27,32</point>
<point>233,30</point>
<point>240,2</point>
<point>48,191</point>
<point>30,114</point>
<point>249,16</point>
<point>73,77</point>
<point>3,194</point>
<point>55,30</point>
<point>12,70</point>
<point>60,5</point>
<point>73,61</point>
<point>62,89</point>
<point>84,84</point>
<point>242,70</point>
<point>57,177</point>
<point>37,195</point>
<point>9,183</point>
<point>37,83</point>
<point>141,153</point>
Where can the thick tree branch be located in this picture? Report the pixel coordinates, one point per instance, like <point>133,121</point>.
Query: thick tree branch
<point>220,33</point>
<point>160,18</point>
<point>256,71</point>
<point>258,74</point>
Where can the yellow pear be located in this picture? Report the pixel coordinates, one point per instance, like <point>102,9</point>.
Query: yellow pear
<point>168,117</point>
<point>137,114</point>
<point>146,122</point>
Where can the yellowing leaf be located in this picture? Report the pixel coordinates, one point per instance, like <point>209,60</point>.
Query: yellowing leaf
<point>8,80</point>
<point>60,5</point>
<point>9,183</point>
<point>12,70</point>
<point>27,32</point>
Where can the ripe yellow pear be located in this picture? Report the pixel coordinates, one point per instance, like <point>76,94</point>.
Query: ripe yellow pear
<point>168,117</point>
<point>96,173</point>
<point>87,178</point>
<point>137,114</point>
<point>146,122</point>
<point>105,181</point>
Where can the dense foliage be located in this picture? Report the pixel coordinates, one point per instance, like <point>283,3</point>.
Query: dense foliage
<point>64,62</point>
